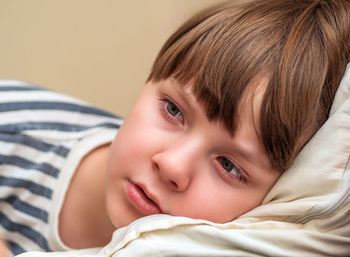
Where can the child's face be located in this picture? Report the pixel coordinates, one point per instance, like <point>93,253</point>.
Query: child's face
<point>169,158</point>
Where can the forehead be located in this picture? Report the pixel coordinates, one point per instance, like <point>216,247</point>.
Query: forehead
<point>250,102</point>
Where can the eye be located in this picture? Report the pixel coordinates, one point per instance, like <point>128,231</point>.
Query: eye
<point>171,111</point>
<point>231,170</point>
<point>227,164</point>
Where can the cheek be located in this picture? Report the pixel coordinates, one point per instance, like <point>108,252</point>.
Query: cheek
<point>135,139</point>
<point>125,146</point>
<point>218,202</point>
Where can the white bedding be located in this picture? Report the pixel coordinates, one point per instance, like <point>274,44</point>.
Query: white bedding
<point>307,213</point>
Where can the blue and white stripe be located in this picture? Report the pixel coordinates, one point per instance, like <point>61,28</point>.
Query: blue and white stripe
<point>38,128</point>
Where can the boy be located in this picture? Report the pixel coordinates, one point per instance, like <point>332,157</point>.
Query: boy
<point>216,124</point>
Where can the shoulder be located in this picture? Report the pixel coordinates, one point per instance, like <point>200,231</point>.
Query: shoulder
<point>21,95</point>
<point>32,107</point>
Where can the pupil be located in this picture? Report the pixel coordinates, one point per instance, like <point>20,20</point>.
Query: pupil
<point>227,165</point>
<point>172,109</point>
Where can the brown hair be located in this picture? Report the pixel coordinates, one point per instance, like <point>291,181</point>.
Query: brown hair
<point>303,44</point>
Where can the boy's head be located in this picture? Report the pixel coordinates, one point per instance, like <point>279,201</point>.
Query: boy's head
<point>291,42</point>
<point>232,97</point>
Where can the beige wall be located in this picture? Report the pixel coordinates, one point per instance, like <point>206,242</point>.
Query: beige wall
<point>97,50</point>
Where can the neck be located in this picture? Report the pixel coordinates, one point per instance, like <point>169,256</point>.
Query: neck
<point>84,222</point>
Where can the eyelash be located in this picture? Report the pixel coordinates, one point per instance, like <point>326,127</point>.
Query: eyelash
<point>164,108</point>
<point>236,173</point>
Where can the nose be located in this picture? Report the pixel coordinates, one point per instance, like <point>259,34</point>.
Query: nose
<point>177,164</point>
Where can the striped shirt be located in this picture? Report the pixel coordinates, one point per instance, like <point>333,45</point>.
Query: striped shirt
<point>43,137</point>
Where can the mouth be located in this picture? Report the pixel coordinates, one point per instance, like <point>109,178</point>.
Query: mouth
<point>141,200</point>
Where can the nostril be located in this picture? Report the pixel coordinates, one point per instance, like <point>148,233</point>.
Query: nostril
<point>155,166</point>
<point>173,184</point>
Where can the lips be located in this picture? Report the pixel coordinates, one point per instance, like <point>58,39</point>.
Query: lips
<point>139,198</point>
